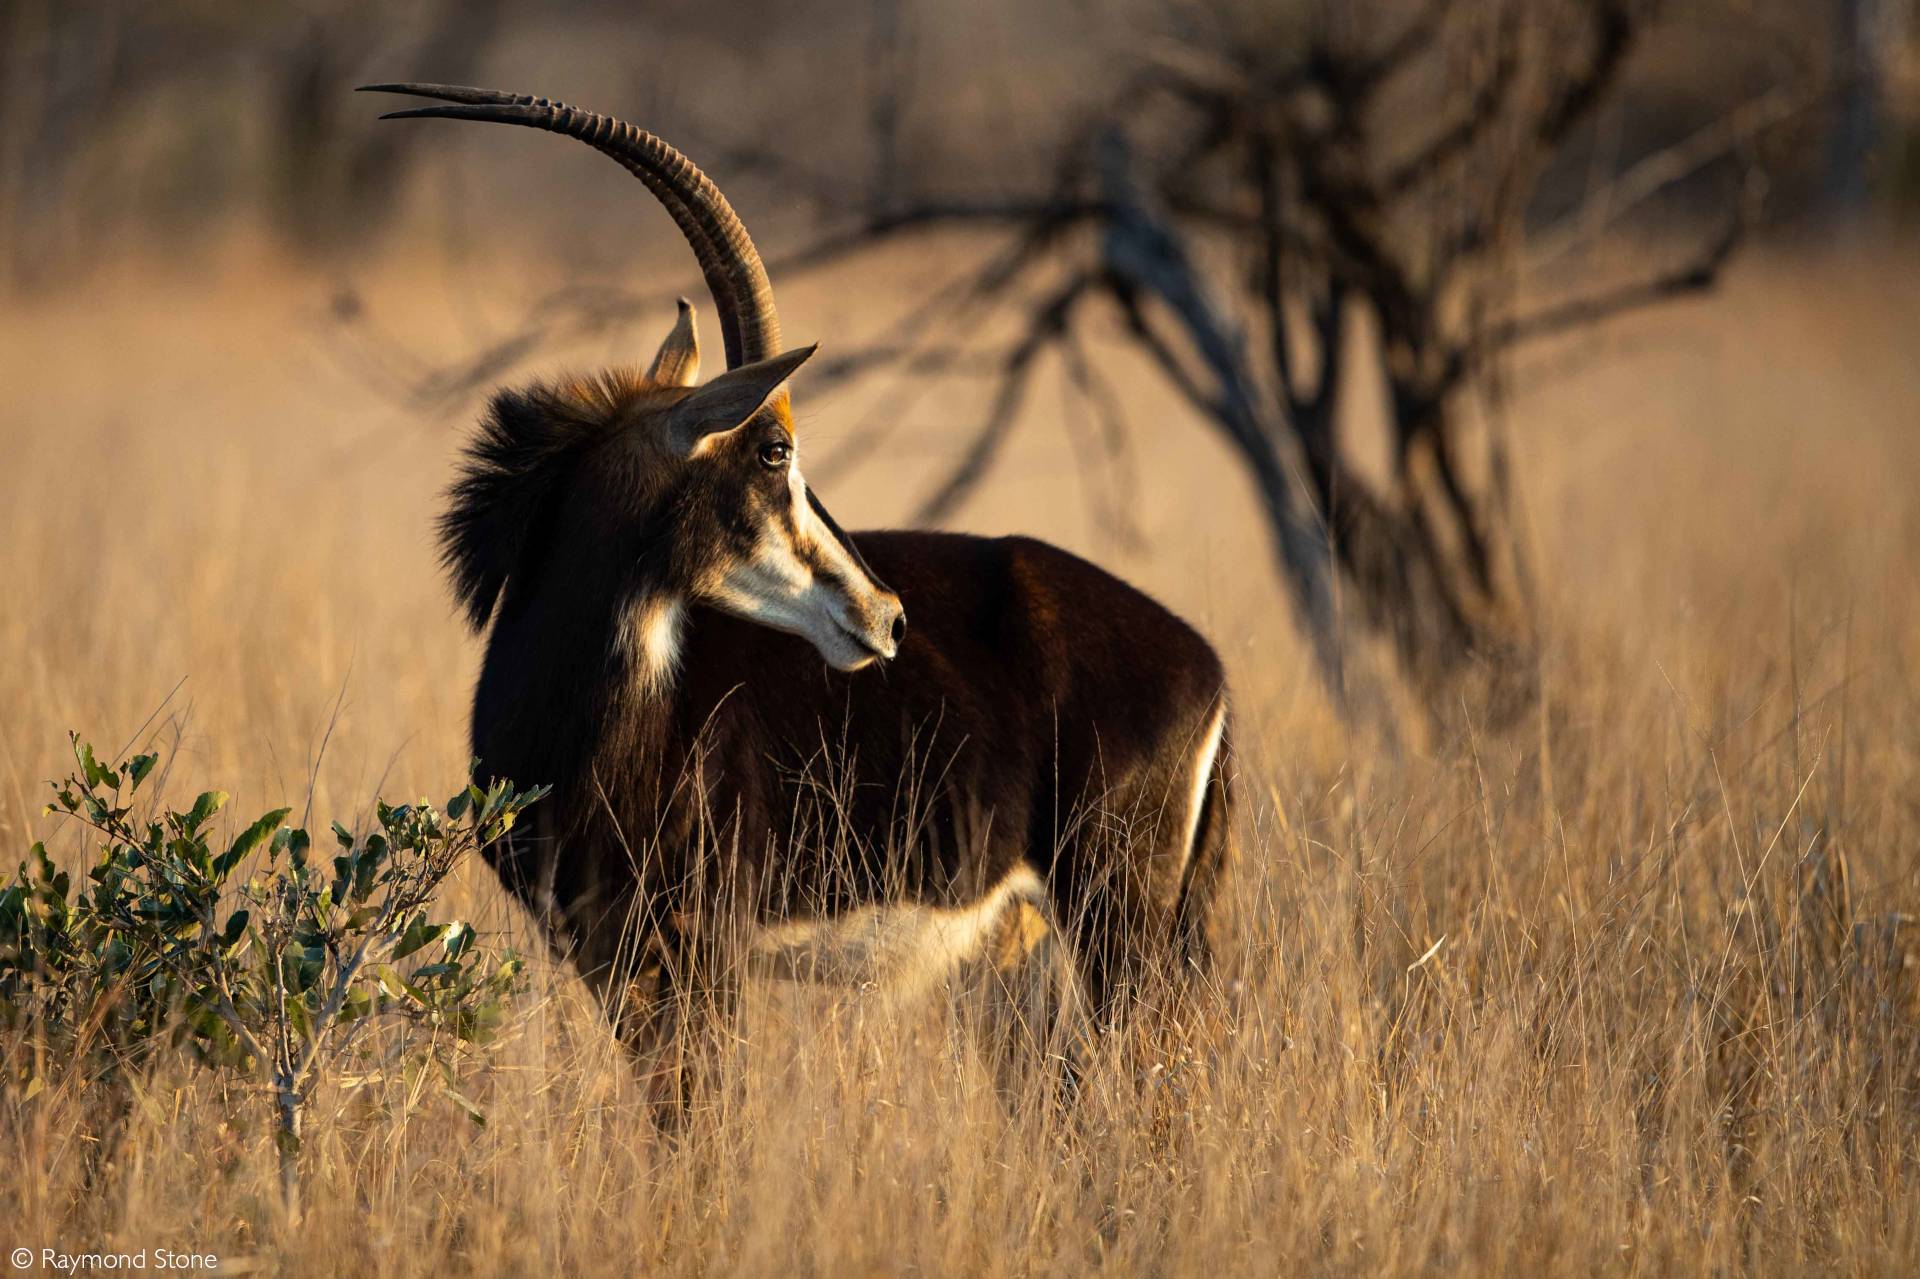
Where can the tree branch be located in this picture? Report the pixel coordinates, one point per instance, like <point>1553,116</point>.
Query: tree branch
<point>1418,34</point>
<point>1479,115</point>
<point>1273,295</point>
<point>1616,26</point>
<point>1172,368</point>
<point>1696,275</point>
<point>1048,323</point>
<point>1110,421</point>
<point>1664,168</point>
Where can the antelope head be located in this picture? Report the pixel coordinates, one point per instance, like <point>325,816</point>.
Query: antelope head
<point>694,488</point>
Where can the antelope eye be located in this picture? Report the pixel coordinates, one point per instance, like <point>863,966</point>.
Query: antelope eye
<point>774,454</point>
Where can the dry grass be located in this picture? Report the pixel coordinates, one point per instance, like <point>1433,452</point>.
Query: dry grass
<point>1626,990</point>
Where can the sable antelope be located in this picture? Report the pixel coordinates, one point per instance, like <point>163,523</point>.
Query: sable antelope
<point>659,585</point>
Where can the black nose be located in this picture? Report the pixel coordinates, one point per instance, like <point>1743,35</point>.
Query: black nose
<point>899,628</point>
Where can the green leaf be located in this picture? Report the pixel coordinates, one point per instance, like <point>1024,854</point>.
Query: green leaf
<point>478,1023</point>
<point>141,766</point>
<point>399,987</point>
<point>390,981</point>
<point>116,957</point>
<point>204,807</point>
<point>235,929</point>
<point>299,1018</point>
<point>419,933</point>
<point>458,939</point>
<point>91,768</point>
<point>363,875</point>
<point>251,838</point>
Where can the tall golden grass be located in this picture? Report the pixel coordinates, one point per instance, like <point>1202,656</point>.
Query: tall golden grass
<point>1626,989</point>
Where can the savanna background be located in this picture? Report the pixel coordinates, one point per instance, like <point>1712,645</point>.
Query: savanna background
<point>1626,979</point>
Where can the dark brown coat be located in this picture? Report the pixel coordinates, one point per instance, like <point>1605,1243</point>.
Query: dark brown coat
<point>1039,710</point>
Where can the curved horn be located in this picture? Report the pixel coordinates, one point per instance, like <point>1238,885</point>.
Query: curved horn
<point>734,274</point>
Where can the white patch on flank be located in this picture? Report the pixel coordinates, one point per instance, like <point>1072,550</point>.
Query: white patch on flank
<point>654,632</point>
<point>903,949</point>
<point>1202,774</point>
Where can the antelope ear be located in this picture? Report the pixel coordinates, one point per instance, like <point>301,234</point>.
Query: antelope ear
<point>733,397</point>
<point>677,362</point>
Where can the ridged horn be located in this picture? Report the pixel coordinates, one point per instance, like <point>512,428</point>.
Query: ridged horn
<point>732,267</point>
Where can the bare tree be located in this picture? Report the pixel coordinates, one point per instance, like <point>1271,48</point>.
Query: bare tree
<point>1266,198</point>
<point>1273,198</point>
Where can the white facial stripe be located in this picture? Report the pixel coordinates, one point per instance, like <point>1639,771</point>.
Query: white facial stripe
<point>780,587</point>
<point>818,536</point>
<point>807,583</point>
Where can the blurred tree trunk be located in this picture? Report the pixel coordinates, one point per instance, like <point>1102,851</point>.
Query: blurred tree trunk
<point>1435,564</point>
<point>334,178</point>
<point>1863,30</point>
<point>78,79</point>
<point>62,74</point>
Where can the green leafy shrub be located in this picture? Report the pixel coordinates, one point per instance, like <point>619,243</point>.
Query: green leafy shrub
<point>274,975</point>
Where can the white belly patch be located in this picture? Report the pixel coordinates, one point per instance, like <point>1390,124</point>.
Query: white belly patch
<point>905,949</point>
